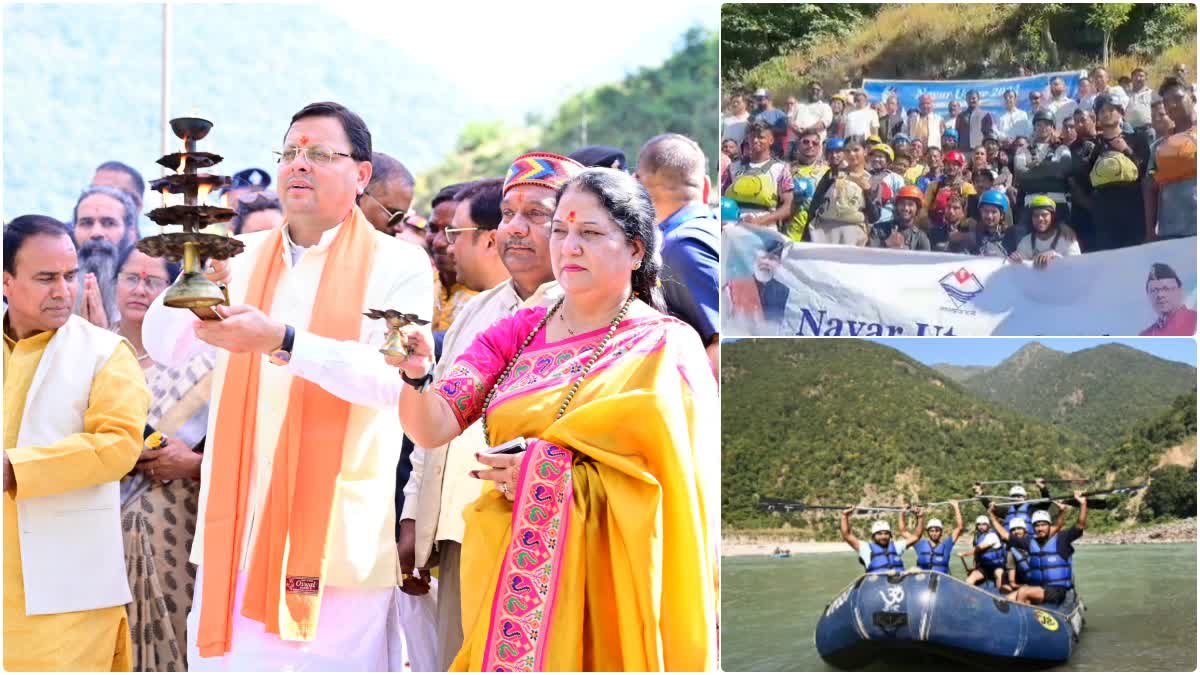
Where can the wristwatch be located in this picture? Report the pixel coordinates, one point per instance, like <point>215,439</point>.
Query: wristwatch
<point>417,384</point>
<point>283,355</point>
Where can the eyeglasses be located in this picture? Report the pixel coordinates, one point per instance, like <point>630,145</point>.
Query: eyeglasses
<point>153,284</point>
<point>452,232</point>
<point>316,154</point>
<point>394,217</point>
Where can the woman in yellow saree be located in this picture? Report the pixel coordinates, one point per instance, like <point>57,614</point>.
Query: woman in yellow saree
<point>596,548</point>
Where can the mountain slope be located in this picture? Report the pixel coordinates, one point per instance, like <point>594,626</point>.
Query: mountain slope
<point>836,421</point>
<point>958,373</point>
<point>1099,392</point>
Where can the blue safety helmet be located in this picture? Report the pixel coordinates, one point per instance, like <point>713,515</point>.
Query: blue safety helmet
<point>835,144</point>
<point>996,198</point>
<point>730,211</point>
<point>950,133</point>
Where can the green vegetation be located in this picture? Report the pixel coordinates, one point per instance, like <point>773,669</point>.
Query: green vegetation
<point>674,97</point>
<point>1173,492</point>
<point>837,422</point>
<point>1099,392</point>
<point>928,41</point>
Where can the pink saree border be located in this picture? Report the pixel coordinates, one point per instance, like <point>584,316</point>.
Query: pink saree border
<point>527,588</point>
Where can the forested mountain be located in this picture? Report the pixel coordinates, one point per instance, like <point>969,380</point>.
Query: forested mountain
<point>836,422</point>
<point>1099,392</point>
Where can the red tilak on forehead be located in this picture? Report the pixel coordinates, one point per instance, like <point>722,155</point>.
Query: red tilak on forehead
<point>520,197</point>
<point>571,217</point>
<point>303,139</point>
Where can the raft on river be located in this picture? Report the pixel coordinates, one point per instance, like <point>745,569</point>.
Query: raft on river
<point>921,617</point>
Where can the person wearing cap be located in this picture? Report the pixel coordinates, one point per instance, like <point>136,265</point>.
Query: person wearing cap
<point>1043,167</point>
<point>388,196</point>
<point>1013,121</point>
<point>900,142</point>
<point>1170,190</point>
<point>256,212</point>
<point>949,139</point>
<point>837,212</point>
<point>954,181</point>
<point>1048,239</point>
<point>991,237</point>
<point>600,155</point>
<point>1017,562</point>
<point>901,231</point>
<point>815,114</point>
<point>760,183</point>
<point>1051,555</point>
<point>884,183</point>
<point>838,103</point>
<point>1164,289</point>
<point>881,554</point>
<point>296,545</point>
<point>765,111</point>
<point>974,122</point>
<point>489,216</point>
<point>862,120</point>
<point>808,168</point>
<point>1110,185</point>
<point>989,554</point>
<point>933,552</point>
<point>244,182</point>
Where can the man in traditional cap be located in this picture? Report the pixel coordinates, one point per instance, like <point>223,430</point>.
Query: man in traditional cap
<point>298,519</point>
<point>439,488</point>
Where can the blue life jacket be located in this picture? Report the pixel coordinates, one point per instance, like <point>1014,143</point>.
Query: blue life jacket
<point>935,558</point>
<point>991,558</point>
<point>1014,512</point>
<point>1023,565</point>
<point>1046,566</point>
<point>884,561</point>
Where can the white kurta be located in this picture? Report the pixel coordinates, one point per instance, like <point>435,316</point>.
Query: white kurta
<point>362,565</point>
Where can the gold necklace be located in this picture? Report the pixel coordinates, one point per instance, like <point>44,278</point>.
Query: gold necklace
<point>596,353</point>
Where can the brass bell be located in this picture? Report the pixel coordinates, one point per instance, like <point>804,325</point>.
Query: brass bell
<point>394,344</point>
<point>192,289</point>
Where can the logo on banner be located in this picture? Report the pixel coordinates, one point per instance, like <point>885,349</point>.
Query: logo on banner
<point>961,286</point>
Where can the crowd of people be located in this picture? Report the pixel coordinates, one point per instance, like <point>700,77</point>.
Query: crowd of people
<point>268,491</point>
<point>1114,166</point>
<point>1022,553</point>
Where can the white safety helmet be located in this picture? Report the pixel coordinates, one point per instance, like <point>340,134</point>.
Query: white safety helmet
<point>1016,491</point>
<point>934,523</point>
<point>880,526</point>
<point>982,520</point>
<point>1018,523</point>
<point>1041,517</point>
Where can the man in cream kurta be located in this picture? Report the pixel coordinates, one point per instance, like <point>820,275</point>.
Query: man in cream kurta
<point>75,404</point>
<point>357,623</point>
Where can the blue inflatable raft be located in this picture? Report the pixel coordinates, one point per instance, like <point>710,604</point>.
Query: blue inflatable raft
<point>924,618</point>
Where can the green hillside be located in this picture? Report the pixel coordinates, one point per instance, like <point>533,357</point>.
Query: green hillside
<point>1099,392</point>
<point>783,46</point>
<point>958,373</point>
<point>839,421</point>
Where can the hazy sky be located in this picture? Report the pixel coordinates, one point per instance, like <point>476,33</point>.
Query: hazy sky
<point>572,46</point>
<point>990,351</point>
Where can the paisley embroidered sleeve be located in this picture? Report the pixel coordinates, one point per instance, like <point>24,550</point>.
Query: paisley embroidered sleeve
<point>466,383</point>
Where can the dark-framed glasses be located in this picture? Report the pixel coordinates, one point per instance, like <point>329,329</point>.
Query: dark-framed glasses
<point>316,154</point>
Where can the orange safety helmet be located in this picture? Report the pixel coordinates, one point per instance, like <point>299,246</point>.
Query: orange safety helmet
<point>911,192</point>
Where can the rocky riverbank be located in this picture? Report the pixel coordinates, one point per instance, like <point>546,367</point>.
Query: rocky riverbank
<point>1176,532</point>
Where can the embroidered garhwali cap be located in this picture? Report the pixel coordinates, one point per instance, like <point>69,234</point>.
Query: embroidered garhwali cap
<point>541,168</point>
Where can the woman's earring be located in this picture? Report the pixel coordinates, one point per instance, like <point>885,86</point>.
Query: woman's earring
<point>637,265</point>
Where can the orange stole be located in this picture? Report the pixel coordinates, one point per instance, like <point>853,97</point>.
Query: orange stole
<point>284,583</point>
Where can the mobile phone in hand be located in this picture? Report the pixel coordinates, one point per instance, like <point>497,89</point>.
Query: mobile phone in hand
<point>510,448</point>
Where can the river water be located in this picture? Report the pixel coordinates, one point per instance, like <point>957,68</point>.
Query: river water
<point>1141,608</point>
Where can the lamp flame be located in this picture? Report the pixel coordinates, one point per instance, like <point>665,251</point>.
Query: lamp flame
<point>202,193</point>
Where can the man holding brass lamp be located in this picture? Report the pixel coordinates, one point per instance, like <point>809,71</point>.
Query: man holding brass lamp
<point>297,515</point>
